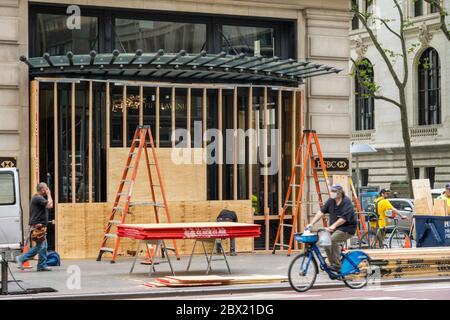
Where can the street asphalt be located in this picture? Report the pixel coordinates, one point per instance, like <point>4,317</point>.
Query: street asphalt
<point>89,279</point>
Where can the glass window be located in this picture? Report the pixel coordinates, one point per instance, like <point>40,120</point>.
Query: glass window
<point>249,40</point>
<point>151,36</point>
<point>165,117</point>
<point>133,102</point>
<point>54,37</point>
<point>429,88</point>
<point>196,117</point>
<point>355,21</point>
<point>430,173</point>
<point>116,116</point>
<point>149,110</point>
<point>364,104</point>
<point>433,8</point>
<point>418,8</point>
<point>6,189</point>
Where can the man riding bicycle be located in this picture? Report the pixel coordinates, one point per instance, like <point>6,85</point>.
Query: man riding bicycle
<point>384,209</point>
<point>342,223</point>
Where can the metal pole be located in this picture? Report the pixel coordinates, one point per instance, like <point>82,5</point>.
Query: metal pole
<point>358,177</point>
<point>4,275</point>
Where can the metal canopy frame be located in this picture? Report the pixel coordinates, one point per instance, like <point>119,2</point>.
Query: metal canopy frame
<point>178,67</point>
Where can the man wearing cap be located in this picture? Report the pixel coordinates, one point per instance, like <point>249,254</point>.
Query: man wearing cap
<point>446,194</point>
<point>383,207</point>
<point>342,223</point>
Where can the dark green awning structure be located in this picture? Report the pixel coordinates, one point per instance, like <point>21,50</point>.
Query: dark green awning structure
<point>178,67</point>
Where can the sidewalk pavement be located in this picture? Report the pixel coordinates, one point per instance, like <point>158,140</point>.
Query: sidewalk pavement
<point>101,280</point>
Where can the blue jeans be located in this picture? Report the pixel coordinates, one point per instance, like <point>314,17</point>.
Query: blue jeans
<point>41,249</point>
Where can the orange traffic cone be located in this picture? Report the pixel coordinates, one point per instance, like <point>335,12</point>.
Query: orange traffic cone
<point>407,242</point>
<point>26,264</point>
<point>149,252</point>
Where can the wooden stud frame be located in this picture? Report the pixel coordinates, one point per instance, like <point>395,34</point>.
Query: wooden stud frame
<point>157,117</point>
<point>188,117</point>
<point>280,150</point>
<point>235,151</point>
<point>204,117</point>
<point>34,134</point>
<point>141,105</point>
<point>56,143</point>
<point>124,118</point>
<point>266,178</point>
<point>250,142</point>
<point>73,143</point>
<point>220,146</point>
<point>297,116</point>
<point>90,193</point>
<point>173,116</point>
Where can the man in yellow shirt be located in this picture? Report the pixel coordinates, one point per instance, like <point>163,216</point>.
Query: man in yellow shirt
<point>446,194</point>
<point>384,206</point>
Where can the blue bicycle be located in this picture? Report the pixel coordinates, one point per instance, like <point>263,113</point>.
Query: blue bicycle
<point>355,270</point>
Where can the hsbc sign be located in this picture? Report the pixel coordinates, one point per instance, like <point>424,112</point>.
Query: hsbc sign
<point>335,164</point>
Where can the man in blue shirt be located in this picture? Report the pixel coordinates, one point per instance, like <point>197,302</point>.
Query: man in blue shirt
<point>342,223</point>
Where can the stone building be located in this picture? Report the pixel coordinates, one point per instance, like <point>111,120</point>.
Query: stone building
<point>377,122</point>
<point>65,124</point>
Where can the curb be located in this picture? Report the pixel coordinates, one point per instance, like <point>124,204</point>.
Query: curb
<point>233,289</point>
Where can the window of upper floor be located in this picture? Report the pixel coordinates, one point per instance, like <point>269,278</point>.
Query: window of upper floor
<point>429,88</point>
<point>364,103</point>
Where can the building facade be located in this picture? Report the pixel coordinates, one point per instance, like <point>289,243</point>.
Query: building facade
<point>377,122</point>
<point>67,128</point>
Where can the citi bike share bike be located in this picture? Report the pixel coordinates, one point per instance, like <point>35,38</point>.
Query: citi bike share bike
<point>355,270</point>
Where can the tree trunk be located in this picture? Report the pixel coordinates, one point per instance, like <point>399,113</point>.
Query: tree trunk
<point>406,140</point>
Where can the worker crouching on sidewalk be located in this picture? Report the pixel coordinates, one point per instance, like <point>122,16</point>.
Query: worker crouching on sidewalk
<point>342,223</point>
<point>39,205</point>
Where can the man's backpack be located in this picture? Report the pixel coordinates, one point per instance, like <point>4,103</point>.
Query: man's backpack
<point>372,211</point>
<point>53,259</point>
<point>227,215</point>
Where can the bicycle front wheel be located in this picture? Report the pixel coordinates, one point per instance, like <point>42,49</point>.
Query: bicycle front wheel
<point>397,239</point>
<point>302,272</point>
<point>359,280</point>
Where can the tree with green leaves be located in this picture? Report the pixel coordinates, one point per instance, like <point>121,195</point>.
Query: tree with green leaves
<point>400,77</point>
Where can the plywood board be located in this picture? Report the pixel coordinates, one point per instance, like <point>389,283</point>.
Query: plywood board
<point>421,207</point>
<point>182,182</point>
<point>343,181</point>
<point>440,207</point>
<point>422,190</point>
<point>80,226</point>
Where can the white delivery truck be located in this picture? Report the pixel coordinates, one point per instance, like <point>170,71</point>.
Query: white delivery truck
<point>11,227</point>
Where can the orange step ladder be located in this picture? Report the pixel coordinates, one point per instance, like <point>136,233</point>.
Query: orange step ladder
<point>305,153</point>
<point>123,203</point>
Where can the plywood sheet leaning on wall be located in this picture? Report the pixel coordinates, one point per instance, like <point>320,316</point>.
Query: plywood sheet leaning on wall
<point>440,207</point>
<point>182,182</point>
<point>80,226</point>
<point>422,190</point>
<point>343,181</point>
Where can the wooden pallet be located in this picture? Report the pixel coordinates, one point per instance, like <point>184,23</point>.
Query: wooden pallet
<point>190,281</point>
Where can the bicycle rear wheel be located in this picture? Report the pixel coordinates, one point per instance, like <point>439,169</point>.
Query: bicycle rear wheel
<point>302,272</point>
<point>359,280</point>
<point>397,239</point>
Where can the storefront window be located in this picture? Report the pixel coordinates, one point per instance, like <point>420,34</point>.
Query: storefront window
<point>54,37</point>
<point>151,36</point>
<point>165,120</point>
<point>249,40</point>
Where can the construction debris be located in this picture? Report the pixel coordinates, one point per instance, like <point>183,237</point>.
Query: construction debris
<point>195,281</point>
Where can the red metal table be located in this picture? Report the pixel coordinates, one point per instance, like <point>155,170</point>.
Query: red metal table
<point>200,231</point>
